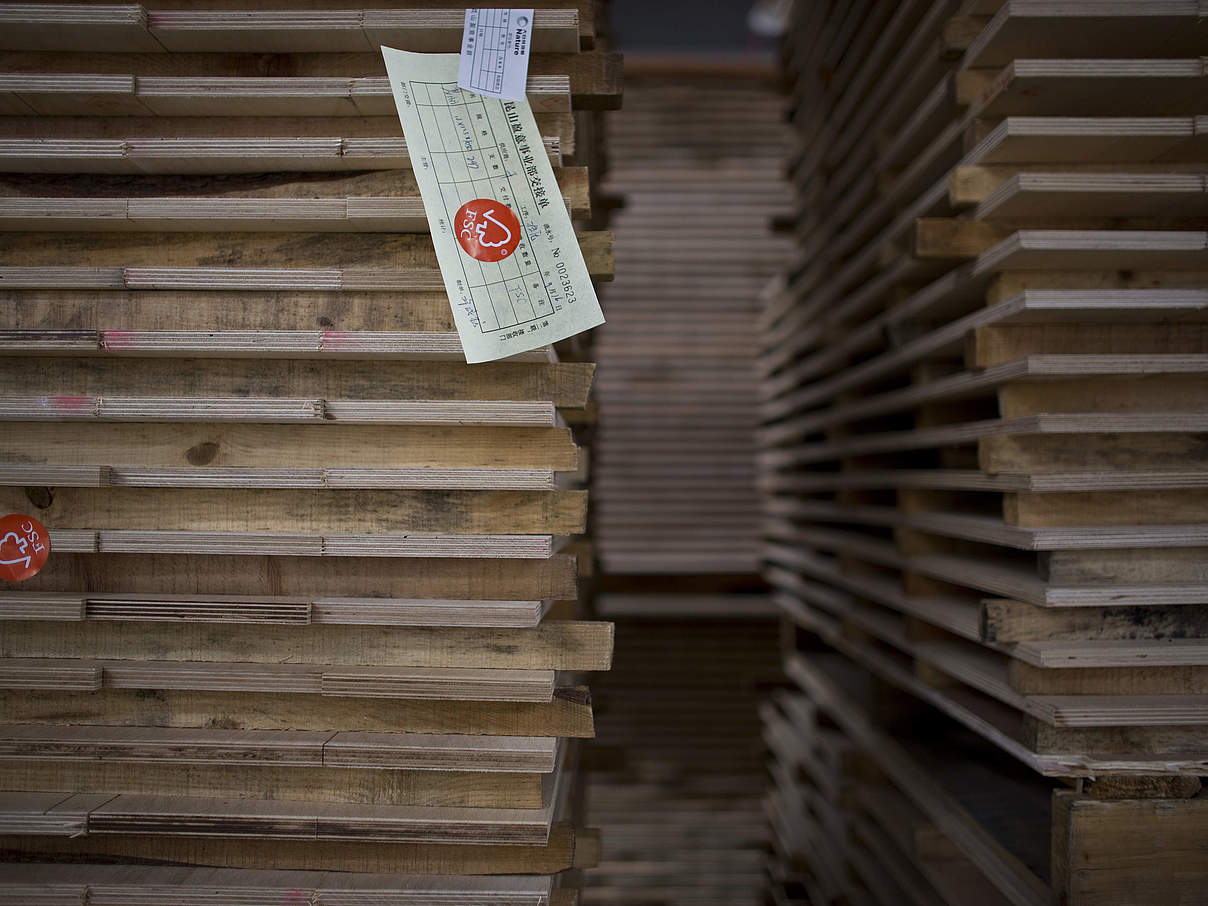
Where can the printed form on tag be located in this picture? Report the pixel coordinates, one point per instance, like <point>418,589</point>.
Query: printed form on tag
<point>507,250</point>
<point>495,52</point>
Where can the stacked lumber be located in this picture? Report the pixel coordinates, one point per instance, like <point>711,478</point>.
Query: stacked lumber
<point>697,164</point>
<point>309,630</point>
<point>984,396</point>
<point>676,777</point>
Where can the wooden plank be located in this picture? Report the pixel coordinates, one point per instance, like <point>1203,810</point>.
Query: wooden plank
<point>595,76</point>
<point>168,448</point>
<point>133,29</point>
<point>1115,140</point>
<point>142,814</point>
<point>381,262</point>
<point>305,577</point>
<point>564,849</point>
<point>341,384</point>
<point>1110,844</point>
<point>1106,508</point>
<point>88,93</point>
<point>209,154</point>
<point>367,786</point>
<point>1016,621</point>
<point>1091,87</point>
<point>286,748</point>
<point>435,684</point>
<point>567,714</point>
<point>162,885</point>
<point>1093,29</point>
<point>318,649</point>
<point>302,512</point>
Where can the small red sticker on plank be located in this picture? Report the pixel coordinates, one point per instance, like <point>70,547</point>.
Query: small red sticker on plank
<point>24,547</point>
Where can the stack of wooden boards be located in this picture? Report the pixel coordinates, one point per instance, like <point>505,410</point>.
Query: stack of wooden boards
<point>985,398</point>
<point>676,775</point>
<point>308,632</point>
<point>697,163</point>
<point>676,778</point>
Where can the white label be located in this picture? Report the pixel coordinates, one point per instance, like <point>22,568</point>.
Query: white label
<point>506,247</point>
<point>495,52</point>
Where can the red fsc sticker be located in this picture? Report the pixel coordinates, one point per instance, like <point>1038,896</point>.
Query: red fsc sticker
<point>24,547</point>
<point>487,230</point>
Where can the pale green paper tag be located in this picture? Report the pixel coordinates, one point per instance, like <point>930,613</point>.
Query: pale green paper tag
<point>507,250</point>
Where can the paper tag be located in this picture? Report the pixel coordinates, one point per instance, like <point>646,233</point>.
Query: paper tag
<point>24,547</point>
<point>506,247</point>
<point>495,52</point>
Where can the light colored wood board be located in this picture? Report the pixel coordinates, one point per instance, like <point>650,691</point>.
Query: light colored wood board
<point>566,848</point>
<point>1097,249</point>
<point>159,886</point>
<point>1119,710</point>
<point>409,479</point>
<point>1164,684</point>
<point>1088,87</point>
<point>75,675</point>
<point>1095,29</point>
<point>87,29</point>
<point>397,346</point>
<point>383,262</point>
<point>133,29</point>
<point>142,814</point>
<point>169,155</point>
<point>567,714</point>
<point>1048,453</point>
<point>1063,196</point>
<point>74,407</point>
<point>315,650</point>
<point>485,579</point>
<point>427,388</point>
<point>972,185</point>
<point>992,344</point>
<point>348,544</point>
<point>1116,140</point>
<point>258,31</point>
<point>85,94</point>
<point>344,314</point>
<point>435,684</point>
<point>1141,392</point>
<point>50,814</point>
<point>163,885</point>
<point>306,512</point>
<point>301,748</point>
<point>398,214</point>
<point>1156,507</point>
<point>17,605</point>
<point>196,446</point>
<point>366,786</point>
<point>595,76</point>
